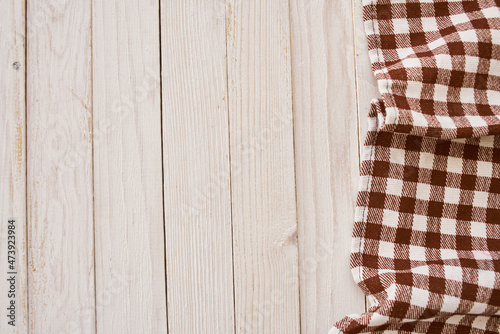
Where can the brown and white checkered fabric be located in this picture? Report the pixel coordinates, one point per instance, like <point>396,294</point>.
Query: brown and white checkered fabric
<point>426,240</point>
<point>437,64</point>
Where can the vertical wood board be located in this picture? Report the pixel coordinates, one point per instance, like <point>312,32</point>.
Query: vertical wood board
<point>130,274</point>
<point>13,250</point>
<point>196,167</point>
<point>59,163</point>
<point>262,167</point>
<point>326,159</point>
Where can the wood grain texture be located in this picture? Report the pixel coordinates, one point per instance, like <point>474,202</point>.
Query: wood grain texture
<point>326,159</point>
<point>262,167</point>
<point>129,250</point>
<point>59,163</point>
<point>13,163</point>
<point>220,198</point>
<point>196,167</point>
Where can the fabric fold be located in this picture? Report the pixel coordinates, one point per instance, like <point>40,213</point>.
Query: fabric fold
<point>437,64</point>
<point>426,238</point>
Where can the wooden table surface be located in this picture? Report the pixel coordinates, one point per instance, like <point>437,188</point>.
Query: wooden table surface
<point>251,114</point>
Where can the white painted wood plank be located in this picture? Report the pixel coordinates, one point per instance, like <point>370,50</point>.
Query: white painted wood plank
<point>129,250</point>
<point>196,167</point>
<point>326,159</point>
<point>262,167</point>
<point>59,166</point>
<point>13,168</point>
<point>366,84</point>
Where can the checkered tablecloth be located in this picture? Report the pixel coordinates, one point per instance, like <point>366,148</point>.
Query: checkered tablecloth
<point>426,239</point>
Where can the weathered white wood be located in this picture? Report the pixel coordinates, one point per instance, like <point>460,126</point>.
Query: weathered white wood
<point>366,84</point>
<point>129,248</point>
<point>205,155</point>
<point>326,159</point>
<point>59,166</point>
<point>13,166</point>
<point>262,167</point>
<point>196,167</point>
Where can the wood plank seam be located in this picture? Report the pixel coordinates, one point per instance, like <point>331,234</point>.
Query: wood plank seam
<point>299,267</point>
<point>227,15</point>
<point>162,162</point>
